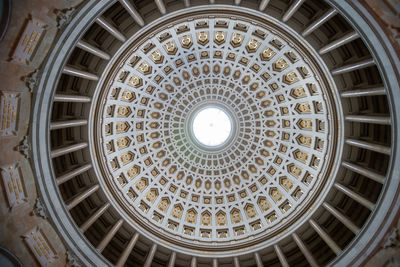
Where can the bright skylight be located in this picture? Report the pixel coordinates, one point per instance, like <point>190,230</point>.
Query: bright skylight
<point>212,127</point>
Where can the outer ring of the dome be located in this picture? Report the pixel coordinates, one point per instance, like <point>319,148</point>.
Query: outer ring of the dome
<point>211,104</point>
<point>311,204</point>
<point>389,200</point>
<point>41,159</point>
<point>44,173</point>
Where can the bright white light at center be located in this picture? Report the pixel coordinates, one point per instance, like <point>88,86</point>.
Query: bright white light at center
<point>212,126</point>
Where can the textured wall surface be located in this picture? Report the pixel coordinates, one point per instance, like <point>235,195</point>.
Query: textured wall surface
<point>387,13</point>
<point>19,219</point>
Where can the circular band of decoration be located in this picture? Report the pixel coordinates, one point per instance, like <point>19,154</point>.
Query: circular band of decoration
<point>279,164</point>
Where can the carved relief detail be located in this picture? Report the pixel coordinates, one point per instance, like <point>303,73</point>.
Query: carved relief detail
<point>31,81</point>
<point>24,147</point>
<point>392,239</point>
<point>72,260</point>
<point>64,17</point>
<point>40,209</point>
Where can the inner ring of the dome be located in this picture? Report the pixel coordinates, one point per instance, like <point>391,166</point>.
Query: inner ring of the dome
<point>259,177</point>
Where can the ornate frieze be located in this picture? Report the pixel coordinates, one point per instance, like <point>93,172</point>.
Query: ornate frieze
<point>29,41</point>
<point>13,184</point>
<point>40,247</point>
<point>9,110</point>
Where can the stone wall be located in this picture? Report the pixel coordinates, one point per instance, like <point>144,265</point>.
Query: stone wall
<point>25,230</point>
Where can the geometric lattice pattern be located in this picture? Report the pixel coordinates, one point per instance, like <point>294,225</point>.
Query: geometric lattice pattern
<point>266,174</point>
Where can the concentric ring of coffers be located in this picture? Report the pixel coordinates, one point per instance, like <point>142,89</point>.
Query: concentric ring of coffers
<point>255,187</point>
